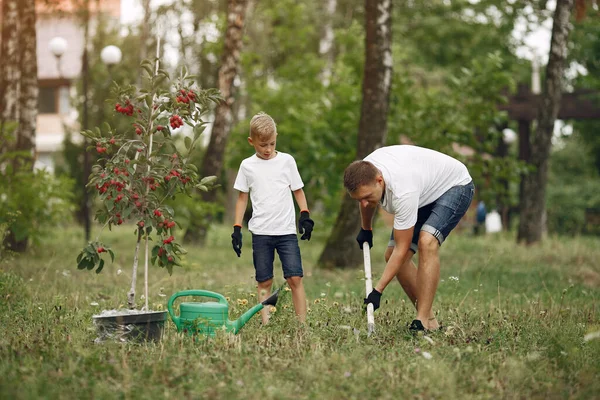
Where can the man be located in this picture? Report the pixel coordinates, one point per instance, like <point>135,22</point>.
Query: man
<point>428,192</point>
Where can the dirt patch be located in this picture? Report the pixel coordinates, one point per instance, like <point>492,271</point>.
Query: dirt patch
<point>589,277</point>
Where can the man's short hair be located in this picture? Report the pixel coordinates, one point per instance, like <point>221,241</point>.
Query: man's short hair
<point>262,126</point>
<point>359,173</point>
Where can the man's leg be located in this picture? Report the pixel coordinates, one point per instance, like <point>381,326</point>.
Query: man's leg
<point>427,279</point>
<point>407,277</point>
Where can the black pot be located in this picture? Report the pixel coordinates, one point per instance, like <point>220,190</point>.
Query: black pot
<point>142,327</point>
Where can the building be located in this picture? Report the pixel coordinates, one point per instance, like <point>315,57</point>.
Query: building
<point>57,76</point>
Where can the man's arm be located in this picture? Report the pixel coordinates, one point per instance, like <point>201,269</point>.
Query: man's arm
<point>240,208</point>
<point>366,217</point>
<point>403,238</point>
<point>301,199</point>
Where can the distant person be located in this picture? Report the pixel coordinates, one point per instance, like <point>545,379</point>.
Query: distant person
<point>493,222</point>
<point>270,177</point>
<point>428,192</point>
<point>480,218</point>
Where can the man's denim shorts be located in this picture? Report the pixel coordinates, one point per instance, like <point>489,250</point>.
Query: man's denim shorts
<point>263,255</point>
<point>441,216</point>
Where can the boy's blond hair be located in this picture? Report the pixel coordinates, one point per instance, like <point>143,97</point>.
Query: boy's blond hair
<point>262,126</point>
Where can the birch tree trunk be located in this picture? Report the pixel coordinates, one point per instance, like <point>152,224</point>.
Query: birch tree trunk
<point>10,72</point>
<point>327,40</point>
<point>18,91</point>
<point>533,197</point>
<point>341,249</point>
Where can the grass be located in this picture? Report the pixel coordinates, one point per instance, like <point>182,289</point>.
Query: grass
<point>515,322</point>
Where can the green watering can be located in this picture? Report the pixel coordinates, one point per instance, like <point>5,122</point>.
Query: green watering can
<point>207,317</point>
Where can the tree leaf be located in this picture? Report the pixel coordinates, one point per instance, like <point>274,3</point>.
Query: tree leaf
<point>188,142</point>
<point>100,267</point>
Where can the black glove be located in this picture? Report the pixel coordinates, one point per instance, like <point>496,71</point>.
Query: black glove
<point>305,225</point>
<point>236,239</point>
<point>374,298</point>
<point>365,236</point>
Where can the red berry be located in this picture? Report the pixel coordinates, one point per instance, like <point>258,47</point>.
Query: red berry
<point>159,128</point>
<point>112,141</point>
<point>100,249</point>
<point>141,224</point>
<point>157,213</point>
<point>170,259</point>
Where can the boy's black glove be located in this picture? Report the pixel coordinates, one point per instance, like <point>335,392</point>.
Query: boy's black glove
<point>236,239</point>
<point>305,225</point>
<point>364,236</point>
<point>374,298</point>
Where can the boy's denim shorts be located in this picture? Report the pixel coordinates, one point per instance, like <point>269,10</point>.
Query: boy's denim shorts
<point>263,255</point>
<point>441,216</point>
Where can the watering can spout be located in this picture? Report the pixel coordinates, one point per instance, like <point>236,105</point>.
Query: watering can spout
<point>241,321</point>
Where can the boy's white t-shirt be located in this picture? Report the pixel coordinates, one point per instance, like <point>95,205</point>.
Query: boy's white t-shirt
<point>270,183</point>
<point>415,177</point>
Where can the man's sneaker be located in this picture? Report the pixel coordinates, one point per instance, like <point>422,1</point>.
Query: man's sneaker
<point>416,326</point>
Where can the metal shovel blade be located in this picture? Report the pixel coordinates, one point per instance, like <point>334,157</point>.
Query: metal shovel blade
<point>272,299</point>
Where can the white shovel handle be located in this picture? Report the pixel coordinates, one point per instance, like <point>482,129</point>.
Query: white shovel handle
<point>368,287</point>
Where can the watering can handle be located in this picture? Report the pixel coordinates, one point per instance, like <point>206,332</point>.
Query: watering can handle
<point>193,292</point>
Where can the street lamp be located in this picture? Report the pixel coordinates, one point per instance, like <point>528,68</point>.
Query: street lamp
<point>58,47</point>
<point>111,55</point>
<point>509,136</point>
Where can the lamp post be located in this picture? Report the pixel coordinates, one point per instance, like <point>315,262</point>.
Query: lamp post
<point>58,46</point>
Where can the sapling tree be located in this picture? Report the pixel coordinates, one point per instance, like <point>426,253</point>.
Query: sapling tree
<point>140,168</point>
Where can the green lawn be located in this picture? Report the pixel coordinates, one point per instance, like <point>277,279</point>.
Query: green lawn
<point>515,320</point>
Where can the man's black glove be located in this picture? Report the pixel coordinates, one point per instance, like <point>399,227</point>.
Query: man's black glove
<point>236,239</point>
<point>365,236</point>
<point>305,225</point>
<point>374,298</point>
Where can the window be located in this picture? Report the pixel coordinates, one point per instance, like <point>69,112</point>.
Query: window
<point>54,100</point>
<point>47,101</point>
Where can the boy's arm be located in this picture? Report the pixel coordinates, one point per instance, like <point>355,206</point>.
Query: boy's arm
<point>240,208</point>
<point>301,199</point>
<point>236,236</point>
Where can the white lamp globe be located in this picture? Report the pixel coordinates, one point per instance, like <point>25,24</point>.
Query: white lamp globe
<point>509,136</point>
<point>111,55</point>
<point>57,46</point>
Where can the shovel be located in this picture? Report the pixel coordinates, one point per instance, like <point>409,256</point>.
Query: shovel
<point>369,288</point>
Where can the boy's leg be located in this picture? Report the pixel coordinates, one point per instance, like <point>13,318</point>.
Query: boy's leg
<point>291,261</point>
<point>263,255</point>
<point>264,291</point>
<point>298,297</point>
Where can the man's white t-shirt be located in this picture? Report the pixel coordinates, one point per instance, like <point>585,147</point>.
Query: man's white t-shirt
<point>270,183</point>
<point>415,177</point>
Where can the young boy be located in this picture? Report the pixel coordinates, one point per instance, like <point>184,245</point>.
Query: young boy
<point>271,177</point>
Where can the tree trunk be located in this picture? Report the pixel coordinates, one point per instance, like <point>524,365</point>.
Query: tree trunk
<point>18,91</point>
<point>341,249</point>
<point>327,40</point>
<point>533,197</point>
<point>10,73</point>
<point>28,96</point>
<point>212,163</point>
